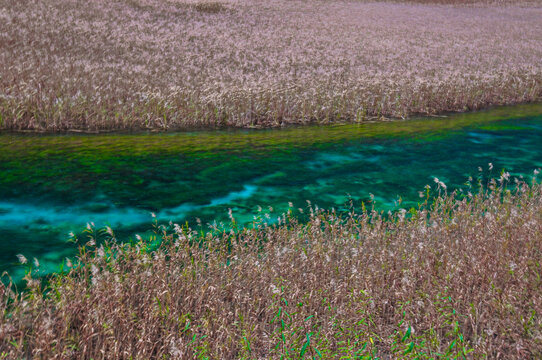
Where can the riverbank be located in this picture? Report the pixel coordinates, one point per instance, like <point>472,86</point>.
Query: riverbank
<point>165,65</point>
<point>51,185</point>
<point>459,276</point>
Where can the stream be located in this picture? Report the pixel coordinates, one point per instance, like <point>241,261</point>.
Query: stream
<point>51,185</point>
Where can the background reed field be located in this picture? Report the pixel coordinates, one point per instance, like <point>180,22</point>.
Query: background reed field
<point>170,64</point>
<point>459,277</point>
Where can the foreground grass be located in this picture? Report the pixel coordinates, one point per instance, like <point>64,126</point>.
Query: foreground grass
<point>169,64</point>
<point>457,278</point>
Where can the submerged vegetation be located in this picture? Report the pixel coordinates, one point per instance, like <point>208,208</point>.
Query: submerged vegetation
<point>53,184</point>
<point>170,64</point>
<point>458,277</point>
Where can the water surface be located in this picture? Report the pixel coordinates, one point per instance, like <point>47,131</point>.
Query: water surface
<point>51,185</point>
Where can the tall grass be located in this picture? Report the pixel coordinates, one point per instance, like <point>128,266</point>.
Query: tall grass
<point>167,64</point>
<point>459,277</point>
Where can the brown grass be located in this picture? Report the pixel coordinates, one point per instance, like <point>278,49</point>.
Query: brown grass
<point>167,64</point>
<point>459,277</point>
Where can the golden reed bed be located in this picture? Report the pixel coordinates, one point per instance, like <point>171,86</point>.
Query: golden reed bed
<point>460,277</point>
<point>134,64</point>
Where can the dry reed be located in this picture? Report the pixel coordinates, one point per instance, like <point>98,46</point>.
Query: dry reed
<point>169,64</point>
<point>458,277</point>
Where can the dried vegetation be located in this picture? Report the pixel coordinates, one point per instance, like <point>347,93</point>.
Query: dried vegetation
<point>460,277</point>
<point>167,64</point>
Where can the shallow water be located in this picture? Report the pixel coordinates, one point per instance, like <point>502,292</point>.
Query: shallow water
<point>53,184</point>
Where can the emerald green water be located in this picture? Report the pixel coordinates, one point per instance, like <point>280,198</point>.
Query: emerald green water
<point>51,185</point>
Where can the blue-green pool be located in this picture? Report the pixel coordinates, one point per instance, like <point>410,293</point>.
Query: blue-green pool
<point>51,185</point>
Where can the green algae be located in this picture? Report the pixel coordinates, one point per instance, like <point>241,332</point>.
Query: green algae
<point>53,184</point>
<point>205,143</point>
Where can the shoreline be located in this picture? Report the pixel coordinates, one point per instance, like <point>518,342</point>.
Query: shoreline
<point>291,125</point>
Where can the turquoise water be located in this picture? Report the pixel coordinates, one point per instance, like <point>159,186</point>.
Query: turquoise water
<point>51,185</point>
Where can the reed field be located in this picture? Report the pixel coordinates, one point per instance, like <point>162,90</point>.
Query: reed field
<point>458,277</point>
<point>170,64</point>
